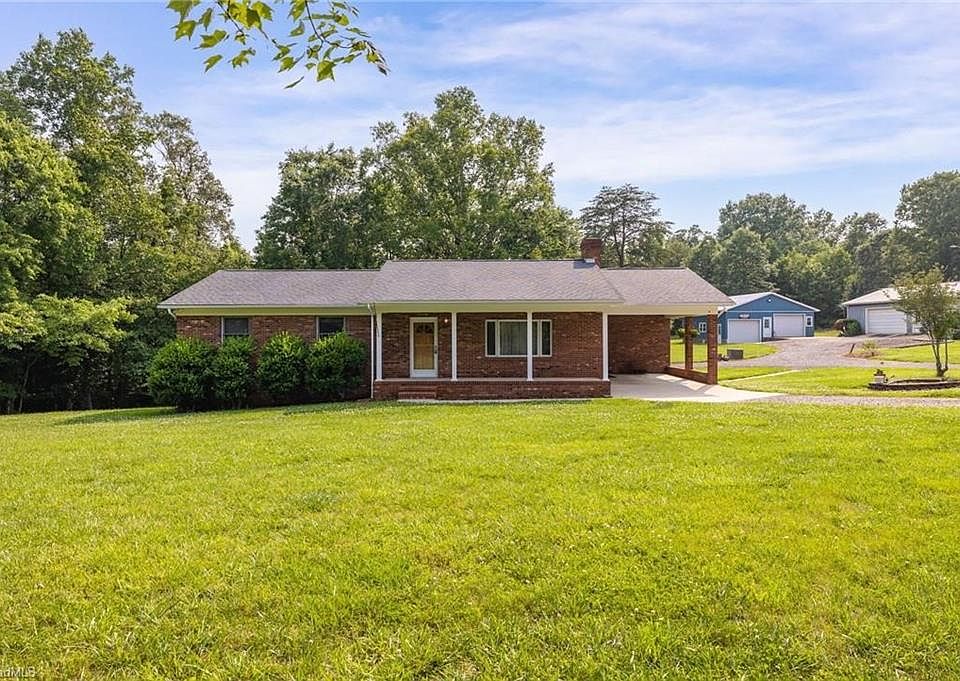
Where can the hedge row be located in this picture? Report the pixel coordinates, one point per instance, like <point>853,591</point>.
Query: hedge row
<point>192,374</point>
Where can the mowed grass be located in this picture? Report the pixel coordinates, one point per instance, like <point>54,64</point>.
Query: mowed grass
<point>731,372</point>
<point>750,350</point>
<point>838,381</point>
<point>916,353</point>
<point>606,539</point>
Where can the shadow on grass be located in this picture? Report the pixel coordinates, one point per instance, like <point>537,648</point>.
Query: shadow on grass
<point>120,415</point>
<point>154,413</point>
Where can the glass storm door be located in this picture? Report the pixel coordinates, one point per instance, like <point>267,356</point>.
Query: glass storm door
<point>423,348</point>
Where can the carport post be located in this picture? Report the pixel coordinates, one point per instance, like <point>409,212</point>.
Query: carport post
<point>712,349</point>
<point>688,343</point>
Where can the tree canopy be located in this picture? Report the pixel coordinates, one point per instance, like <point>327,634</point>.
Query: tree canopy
<point>628,220</point>
<point>104,210</point>
<point>458,183</point>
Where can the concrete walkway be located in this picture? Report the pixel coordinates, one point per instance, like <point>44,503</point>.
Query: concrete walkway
<point>664,388</point>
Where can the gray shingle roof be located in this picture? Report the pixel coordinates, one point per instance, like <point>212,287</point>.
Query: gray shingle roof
<point>664,286</point>
<point>277,288</point>
<point>488,280</point>
<point>450,281</point>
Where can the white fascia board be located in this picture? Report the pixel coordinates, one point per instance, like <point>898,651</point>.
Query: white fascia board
<point>254,311</point>
<point>493,306</point>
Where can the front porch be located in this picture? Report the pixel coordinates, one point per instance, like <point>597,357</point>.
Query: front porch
<point>485,354</point>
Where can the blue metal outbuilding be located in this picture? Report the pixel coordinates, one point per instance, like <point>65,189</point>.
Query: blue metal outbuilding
<point>756,317</point>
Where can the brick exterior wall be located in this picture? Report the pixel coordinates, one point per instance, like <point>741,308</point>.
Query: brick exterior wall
<point>638,343</point>
<point>490,390</point>
<point>204,328</point>
<point>576,352</point>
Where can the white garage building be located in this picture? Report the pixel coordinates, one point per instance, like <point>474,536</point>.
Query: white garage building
<point>877,315</point>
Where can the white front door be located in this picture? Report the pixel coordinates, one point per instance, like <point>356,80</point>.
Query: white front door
<point>788,325</point>
<point>423,347</point>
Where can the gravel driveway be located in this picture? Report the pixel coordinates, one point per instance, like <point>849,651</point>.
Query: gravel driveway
<point>855,401</point>
<point>824,351</point>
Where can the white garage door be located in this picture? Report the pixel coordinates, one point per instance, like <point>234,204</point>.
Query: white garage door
<point>788,325</point>
<point>885,320</point>
<point>743,330</point>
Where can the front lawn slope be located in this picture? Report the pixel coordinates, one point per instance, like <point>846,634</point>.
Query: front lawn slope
<point>606,539</point>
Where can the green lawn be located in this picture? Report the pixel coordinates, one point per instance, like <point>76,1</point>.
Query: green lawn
<point>841,381</point>
<point>915,353</point>
<point>731,372</point>
<point>826,332</point>
<point>606,539</point>
<point>750,350</point>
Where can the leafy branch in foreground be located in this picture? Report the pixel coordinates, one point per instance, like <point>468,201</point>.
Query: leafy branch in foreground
<point>319,41</point>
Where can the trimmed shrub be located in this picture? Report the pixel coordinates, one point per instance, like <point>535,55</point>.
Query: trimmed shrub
<point>848,327</point>
<point>335,366</point>
<point>180,374</point>
<point>232,372</point>
<point>281,366</point>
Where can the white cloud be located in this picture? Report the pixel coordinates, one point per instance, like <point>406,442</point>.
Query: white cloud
<point>642,92</point>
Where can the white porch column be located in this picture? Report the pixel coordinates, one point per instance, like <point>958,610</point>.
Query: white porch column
<point>379,346</point>
<point>529,346</point>
<point>373,346</point>
<point>606,347</point>
<point>453,346</point>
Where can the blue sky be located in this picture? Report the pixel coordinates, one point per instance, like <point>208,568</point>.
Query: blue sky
<point>835,104</point>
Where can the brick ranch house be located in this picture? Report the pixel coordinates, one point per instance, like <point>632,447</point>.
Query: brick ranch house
<point>478,329</point>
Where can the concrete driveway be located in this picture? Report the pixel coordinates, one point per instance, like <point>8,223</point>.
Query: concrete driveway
<point>827,351</point>
<point>664,388</point>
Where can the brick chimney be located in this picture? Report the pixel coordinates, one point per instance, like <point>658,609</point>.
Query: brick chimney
<point>590,248</point>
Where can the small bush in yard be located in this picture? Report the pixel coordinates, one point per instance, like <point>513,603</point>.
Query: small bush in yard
<point>180,374</point>
<point>233,372</point>
<point>848,327</point>
<point>281,366</point>
<point>335,366</point>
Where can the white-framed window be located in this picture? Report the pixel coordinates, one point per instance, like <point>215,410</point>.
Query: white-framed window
<point>766,322</point>
<point>809,321</point>
<point>328,326</point>
<point>508,337</point>
<point>702,327</point>
<point>234,327</point>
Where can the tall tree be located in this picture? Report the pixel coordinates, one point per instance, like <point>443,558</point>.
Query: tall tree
<point>47,239</point>
<point>821,279</point>
<point>628,220</point>
<point>100,203</point>
<point>195,201</point>
<point>461,183</point>
<point>321,215</point>
<point>779,221</point>
<point>931,207</point>
<point>704,259</point>
<point>742,265</point>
